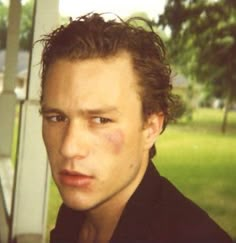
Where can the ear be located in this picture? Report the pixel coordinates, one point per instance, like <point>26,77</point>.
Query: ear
<point>152,128</point>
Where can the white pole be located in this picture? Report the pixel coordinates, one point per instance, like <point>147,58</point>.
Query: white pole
<point>31,187</point>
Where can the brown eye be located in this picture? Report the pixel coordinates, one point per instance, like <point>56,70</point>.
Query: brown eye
<point>56,118</point>
<point>101,120</point>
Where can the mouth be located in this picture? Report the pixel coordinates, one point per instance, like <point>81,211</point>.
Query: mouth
<point>74,179</point>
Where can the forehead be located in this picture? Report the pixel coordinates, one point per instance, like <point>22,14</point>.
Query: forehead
<point>94,80</point>
<point>110,65</point>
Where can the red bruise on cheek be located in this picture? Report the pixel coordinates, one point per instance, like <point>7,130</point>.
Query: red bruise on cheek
<point>116,140</point>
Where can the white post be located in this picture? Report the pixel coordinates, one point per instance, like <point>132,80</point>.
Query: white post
<point>31,186</point>
<point>7,117</point>
<point>8,97</point>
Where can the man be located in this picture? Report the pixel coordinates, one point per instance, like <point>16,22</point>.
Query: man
<point>106,97</point>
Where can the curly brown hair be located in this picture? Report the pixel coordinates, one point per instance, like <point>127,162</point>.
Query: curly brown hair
<point>91,36</point>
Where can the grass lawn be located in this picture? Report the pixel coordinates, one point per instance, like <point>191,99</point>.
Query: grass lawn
<point>200,161</point>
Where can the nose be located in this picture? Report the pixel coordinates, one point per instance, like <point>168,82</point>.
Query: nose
<point>75,141</point>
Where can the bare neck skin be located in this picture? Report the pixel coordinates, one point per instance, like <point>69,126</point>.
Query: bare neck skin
<point>99,227</point>
<point>100,222</point>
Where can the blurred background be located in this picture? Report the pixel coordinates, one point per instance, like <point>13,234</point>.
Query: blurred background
<point>197,152</point>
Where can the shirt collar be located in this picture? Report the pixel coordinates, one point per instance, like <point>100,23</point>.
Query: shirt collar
<point>133,222</point>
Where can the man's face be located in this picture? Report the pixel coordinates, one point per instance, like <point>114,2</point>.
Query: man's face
<point>93,130</point>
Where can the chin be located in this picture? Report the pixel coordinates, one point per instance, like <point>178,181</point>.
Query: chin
<point>76,202</point>
<point>75,205</point>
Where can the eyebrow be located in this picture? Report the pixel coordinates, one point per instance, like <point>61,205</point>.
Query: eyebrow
<point>101,110</point>
<point>47,110</point>
<point>93,111</point>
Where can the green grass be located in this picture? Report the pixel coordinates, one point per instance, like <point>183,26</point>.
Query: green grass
<point>15,135</point>
<point>200,161</point>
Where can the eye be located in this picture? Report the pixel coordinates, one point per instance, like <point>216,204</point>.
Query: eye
<point>101,120</point>
<point>56,118</point>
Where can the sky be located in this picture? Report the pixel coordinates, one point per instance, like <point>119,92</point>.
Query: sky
<point>123,8</point>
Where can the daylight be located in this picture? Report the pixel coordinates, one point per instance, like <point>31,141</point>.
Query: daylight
<point>75,8</point>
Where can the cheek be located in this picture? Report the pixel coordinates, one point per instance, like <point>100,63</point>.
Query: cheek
<point>115,139</point>
<point>50,139</point>
<point>46,136</point>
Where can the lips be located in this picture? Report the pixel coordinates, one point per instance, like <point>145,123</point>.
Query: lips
<point>74,179</point>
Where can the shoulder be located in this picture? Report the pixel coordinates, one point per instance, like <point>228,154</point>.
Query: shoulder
<point>158,212</point>
<point>178,218</point>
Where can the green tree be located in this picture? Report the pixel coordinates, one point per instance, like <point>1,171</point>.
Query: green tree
<point>202,44</point>
<point>3,25</point>
<point>26,25</point>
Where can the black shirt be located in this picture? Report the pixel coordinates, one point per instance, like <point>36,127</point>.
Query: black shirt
<point>156,212</point>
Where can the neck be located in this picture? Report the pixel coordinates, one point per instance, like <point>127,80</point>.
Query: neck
<point>101,221</point>
<point>100,224</point>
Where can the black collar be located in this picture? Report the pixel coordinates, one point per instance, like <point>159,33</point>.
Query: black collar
<point>133,223</point>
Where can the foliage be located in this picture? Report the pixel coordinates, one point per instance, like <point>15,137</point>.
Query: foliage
<point>3,25</point>
<point>26,25</point>
<point>202,43</point>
